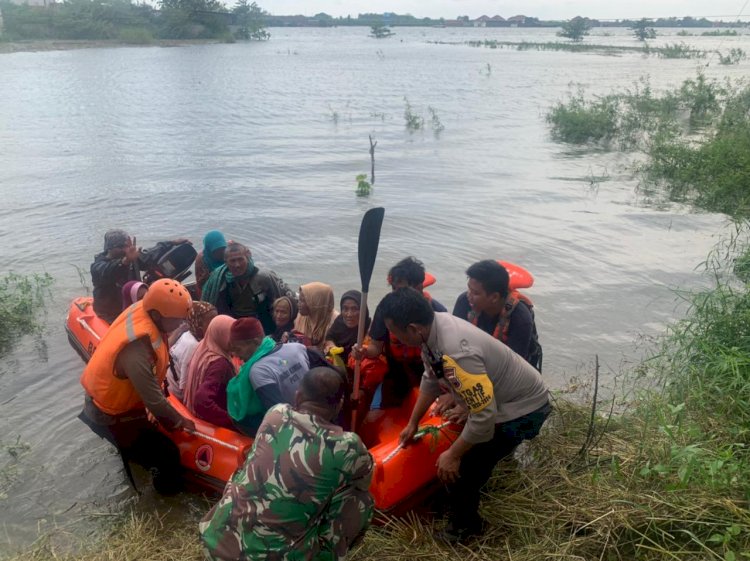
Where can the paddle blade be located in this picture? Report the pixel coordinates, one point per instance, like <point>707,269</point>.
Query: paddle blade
<point>369,238</point>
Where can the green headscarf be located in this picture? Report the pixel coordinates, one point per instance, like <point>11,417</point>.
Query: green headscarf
<point>242,401</point>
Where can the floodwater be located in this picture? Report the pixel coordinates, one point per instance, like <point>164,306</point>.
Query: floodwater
<point>264,141</point>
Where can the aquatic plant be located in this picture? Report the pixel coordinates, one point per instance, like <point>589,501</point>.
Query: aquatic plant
<point>734,56</point>
<point>363,186</point>
<point>414,122</point>
<point>720,33</point>
<point>21,300</point>
<point>679,50</point>
<point>333,115</point>
<point>696,138</point>
<point>579,121</point>
<point>437,125</point>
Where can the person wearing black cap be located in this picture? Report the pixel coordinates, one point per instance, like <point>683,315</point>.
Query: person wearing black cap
<point>111,269</point>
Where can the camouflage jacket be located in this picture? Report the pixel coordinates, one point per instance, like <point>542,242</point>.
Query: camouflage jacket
<point>302,494</point>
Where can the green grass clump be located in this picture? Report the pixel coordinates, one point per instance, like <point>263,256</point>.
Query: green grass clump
<point>579,121</point>
<point>734,56</point>
<point>678,50</point>
<point>720,33</point>
<point>21,300</point>
<point>714,171</point>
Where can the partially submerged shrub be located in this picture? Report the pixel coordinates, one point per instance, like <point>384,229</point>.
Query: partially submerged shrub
<point>579,121</point>
<point>21,300</point>
<point>414,121</point>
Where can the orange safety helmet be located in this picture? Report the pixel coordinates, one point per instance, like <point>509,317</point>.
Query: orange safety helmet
<point>168,297</point>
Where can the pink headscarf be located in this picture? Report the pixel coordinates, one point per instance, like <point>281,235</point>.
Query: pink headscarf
<point>130,293</point>
<point>215,345</point>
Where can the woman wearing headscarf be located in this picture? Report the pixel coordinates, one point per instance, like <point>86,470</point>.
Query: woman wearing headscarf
<point>212,257</point>
<point>132,292</point>
<point>184,343</point>
<point>210,370</point>
<point>316,313</point>
<point>284,313</point>
<point>343,332</point>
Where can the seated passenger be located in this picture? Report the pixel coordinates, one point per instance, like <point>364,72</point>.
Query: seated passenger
<point>111,270</point>
<point>289,500</point>
<point>343,331</point>
<point>284,314</point>
<point>210,371</point>
<point>405,367</point>
<point>132,292</point>
<point>507,316</point>
<point>183,343</point>
<point>270,375</point>
<point>239,289</point>
<point>316,313</point>
<point>210,258</point>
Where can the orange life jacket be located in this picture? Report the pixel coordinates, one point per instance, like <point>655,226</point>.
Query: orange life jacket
<point>503,322</point>
<point>111,394</point>
<point>404,353</point>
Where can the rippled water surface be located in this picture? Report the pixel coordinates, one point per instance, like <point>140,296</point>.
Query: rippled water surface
<point>264,141</point>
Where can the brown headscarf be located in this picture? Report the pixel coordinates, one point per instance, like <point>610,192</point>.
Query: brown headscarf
<point>319,299</point>
<point>197,315</point>
<point>215,345</point>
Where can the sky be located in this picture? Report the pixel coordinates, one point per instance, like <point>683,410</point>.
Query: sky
<point>543,9</point>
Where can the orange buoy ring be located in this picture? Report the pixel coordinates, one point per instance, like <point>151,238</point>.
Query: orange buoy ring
<point>518,276</point>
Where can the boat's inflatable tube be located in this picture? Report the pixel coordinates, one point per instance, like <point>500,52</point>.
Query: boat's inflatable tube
<point>211,454</point>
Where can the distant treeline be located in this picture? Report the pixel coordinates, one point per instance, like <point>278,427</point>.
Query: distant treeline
<point>122,20</point>
<point>407,20</point>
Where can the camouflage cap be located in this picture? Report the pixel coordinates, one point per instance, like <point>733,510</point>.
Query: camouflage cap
<point>115,238</point>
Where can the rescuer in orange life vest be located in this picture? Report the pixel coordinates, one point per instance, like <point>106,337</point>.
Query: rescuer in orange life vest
<point>123,383</point>
<point>506,315</point>
<point>404,362</point>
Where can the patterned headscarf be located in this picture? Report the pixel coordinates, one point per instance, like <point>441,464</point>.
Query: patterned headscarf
<point>197,316</point>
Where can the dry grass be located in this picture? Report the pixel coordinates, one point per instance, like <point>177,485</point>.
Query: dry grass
<point>569,502</point>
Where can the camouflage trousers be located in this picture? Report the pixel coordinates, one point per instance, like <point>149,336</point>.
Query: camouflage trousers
<point>327,537</point>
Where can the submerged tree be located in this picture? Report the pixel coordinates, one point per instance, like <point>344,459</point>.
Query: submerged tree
<point>250,21</point>
<point>575,29</point>
<point>642,31</point>
<point>380,31</point>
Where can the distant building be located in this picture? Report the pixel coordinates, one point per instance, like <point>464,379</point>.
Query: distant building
<point>481,21</point>
<point>496,21</point>
<point>517,20</point>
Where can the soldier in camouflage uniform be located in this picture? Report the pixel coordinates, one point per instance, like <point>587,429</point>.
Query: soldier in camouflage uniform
<point>303,493</point>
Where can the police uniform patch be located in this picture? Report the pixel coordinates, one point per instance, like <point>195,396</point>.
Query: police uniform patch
<point>475,389</point>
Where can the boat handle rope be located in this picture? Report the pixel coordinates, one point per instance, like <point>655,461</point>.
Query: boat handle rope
<point>87,327</point>
<point>214,440</point>
<point>417,436</point>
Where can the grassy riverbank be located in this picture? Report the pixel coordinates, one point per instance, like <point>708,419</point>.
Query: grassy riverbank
<point>665,478</point>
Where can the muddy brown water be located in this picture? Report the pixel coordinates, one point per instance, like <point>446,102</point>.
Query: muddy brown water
<point>264,141</point>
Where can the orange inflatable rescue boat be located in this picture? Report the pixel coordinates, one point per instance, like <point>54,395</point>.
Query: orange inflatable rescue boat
<point>211,454</point>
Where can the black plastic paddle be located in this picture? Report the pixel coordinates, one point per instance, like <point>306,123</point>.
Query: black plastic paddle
<point>369,239</point>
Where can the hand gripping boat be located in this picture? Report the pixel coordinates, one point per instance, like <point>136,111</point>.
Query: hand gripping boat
<point>211,454</point>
